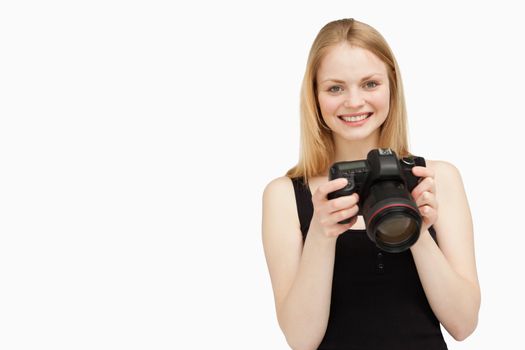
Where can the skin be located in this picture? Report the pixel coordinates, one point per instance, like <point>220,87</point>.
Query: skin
<point>302,274</point>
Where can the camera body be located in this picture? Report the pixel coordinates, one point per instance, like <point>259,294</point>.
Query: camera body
<point>383,183</point>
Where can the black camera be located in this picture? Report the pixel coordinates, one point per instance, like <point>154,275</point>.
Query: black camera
<point>383,183</point>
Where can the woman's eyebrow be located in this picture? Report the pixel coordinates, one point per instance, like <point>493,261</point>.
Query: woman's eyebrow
<point>339,81</point>
<point>372,75</point>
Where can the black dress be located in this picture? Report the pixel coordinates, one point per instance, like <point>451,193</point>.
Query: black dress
<point>377,300</point>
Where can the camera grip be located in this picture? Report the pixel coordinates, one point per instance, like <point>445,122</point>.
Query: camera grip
<point>409,162</point>
<point>348,190</point>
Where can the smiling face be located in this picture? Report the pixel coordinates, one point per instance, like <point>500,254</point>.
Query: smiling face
<point>353,94</point>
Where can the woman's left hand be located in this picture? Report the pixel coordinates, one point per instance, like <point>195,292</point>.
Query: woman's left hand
<point>424,195</point>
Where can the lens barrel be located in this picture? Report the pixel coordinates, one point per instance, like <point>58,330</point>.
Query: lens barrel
<point>392,218</point>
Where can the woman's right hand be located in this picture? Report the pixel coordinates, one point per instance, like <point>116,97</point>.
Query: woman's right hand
<point>328,212</point>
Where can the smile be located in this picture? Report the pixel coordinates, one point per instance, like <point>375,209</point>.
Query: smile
<point>354,118</point>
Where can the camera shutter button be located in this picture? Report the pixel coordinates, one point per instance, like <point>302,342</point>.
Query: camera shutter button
<point>408,160</point>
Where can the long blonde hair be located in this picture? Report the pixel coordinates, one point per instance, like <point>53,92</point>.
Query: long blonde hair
<point>317,145</point>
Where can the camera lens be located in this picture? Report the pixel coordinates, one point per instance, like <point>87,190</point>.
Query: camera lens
<point>395,229</point>
<point>395,226</point>
<point>392,217</point>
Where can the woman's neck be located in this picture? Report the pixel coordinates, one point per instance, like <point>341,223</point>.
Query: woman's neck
<point>346,150</point>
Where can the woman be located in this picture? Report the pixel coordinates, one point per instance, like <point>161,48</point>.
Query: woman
<point>333,288</point>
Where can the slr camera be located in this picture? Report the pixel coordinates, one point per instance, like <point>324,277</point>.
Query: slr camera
<point>383,183</point>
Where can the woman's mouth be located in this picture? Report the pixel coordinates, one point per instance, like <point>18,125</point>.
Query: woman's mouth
<point>354,119</point>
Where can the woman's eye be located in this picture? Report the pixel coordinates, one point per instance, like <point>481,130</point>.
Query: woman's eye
<point>371,84</point>
<point>335,89</point>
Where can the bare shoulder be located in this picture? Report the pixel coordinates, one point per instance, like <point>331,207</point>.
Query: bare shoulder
<point>443,168</point>
<point>279,195</point>
<point>446,175</point>
<point>279,207</point>
<point>279,186</point>
<point>449,185</point>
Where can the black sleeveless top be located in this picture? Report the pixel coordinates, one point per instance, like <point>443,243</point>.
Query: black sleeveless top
<point>377,300</point>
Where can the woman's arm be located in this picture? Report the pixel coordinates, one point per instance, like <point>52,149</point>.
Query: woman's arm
<point>301,275</point>
<point>448,271</point>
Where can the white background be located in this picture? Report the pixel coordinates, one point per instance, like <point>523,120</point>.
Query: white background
<point>136,139</point>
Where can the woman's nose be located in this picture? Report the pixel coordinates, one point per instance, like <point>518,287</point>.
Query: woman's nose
<point>354,100</point>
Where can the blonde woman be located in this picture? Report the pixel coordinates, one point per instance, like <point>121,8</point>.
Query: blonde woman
<point>333,288</point>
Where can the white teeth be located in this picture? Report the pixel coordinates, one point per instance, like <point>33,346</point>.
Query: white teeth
<point>355,118</point>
